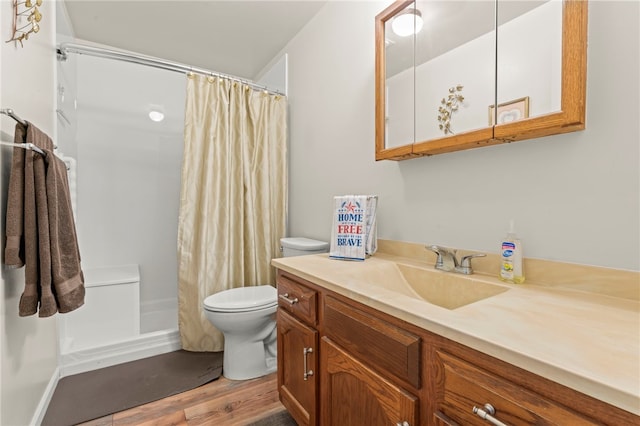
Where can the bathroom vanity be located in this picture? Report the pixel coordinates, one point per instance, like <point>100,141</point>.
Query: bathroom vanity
<point>359,344</point>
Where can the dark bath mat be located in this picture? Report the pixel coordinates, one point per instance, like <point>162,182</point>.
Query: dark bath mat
<point>87,396</point>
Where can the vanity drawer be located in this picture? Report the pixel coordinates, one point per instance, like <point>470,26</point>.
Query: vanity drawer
<point>297,299</point>
<point>382,345</point>
<point>463,386</point>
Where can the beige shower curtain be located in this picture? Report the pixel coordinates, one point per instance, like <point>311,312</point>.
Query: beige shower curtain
<point>233,197</point>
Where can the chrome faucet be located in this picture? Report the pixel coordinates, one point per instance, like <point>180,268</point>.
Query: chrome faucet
<point>447,260</point>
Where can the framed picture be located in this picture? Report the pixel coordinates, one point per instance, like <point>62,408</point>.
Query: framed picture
<point>510,111</point>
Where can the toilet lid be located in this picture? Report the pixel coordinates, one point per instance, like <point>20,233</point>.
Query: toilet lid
<point>242,299</point>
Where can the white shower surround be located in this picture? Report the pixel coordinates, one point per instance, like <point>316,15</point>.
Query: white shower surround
<point>128,186</point>
<point>129,170</point>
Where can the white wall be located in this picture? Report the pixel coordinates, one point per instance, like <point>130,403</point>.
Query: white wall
<point>574,197</point>
<point>275,78</point>
<point>29,344</point>
<point>129,170</point>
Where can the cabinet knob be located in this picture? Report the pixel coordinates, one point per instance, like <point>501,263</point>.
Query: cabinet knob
<point>286,298</point>
<point>487,414</point>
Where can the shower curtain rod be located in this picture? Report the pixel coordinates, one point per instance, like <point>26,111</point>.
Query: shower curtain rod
<point>121,55</point>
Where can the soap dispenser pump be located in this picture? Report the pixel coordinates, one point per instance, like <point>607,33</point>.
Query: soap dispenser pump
<point>511,268</point>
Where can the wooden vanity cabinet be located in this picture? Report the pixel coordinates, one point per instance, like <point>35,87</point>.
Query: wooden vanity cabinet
<point>366,363</point>
<point>375,369</point>
<point>297,350</point>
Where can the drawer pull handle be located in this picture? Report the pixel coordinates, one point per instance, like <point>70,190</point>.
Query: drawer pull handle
<point>307,373</point>
<point>487,414</point>
<point>402,424</point>
<point>285,297</point>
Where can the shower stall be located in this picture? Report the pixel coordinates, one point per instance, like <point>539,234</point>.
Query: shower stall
<point>121,127</point>
<point>125,181</point>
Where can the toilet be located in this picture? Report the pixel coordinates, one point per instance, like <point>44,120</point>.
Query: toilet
<point>247,318</point>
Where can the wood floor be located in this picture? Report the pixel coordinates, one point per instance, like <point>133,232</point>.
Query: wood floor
<point>221,402</point>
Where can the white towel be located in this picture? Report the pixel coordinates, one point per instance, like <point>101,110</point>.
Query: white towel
<point>354,233</point>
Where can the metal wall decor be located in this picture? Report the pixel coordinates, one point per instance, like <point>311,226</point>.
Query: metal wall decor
<point>25,10</point>
<point>448,106</point>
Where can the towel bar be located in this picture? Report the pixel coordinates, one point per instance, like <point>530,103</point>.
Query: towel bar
<point>10,113</point>
<point>30,146</point>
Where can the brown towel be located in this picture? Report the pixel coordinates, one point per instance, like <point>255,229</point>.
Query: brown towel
<point>31,295</point>
<point>66,271</point>
<point>14,248</point>
<point>35,228</point>
<point>53,278</point>
<point>47,299</point>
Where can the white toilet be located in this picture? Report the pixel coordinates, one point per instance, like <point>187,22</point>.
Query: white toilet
<point>247,318</point>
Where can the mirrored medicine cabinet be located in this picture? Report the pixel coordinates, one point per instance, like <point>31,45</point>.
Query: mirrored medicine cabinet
<point>439,79</point>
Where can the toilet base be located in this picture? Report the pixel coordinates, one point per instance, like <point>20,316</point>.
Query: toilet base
<point>243,360</point>
<point>249,333</point>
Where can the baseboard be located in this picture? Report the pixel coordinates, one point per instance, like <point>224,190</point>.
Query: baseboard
<point>146,345</point>
<point>41,409</point>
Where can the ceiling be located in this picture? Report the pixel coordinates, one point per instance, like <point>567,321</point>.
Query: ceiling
<point>236,37</point>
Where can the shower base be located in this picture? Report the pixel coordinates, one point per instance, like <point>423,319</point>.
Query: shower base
<point>142,346</point>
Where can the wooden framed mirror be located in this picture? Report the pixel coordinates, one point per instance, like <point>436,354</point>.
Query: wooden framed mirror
<point>399,146</point>
<point>488,61</point>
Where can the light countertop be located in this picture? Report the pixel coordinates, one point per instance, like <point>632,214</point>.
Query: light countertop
<point>587,341</point>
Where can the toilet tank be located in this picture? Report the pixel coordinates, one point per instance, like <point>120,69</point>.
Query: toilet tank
<point>299,246</point>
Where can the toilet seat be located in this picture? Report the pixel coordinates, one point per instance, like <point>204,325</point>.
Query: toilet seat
<point>242,299</point>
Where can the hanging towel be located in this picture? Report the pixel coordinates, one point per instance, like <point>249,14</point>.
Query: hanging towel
<point>14,247</point>
<point>354,232</point>
<point>41,233</point>
<point>40,277</point>
<point>35,233</point>
<point>66,271</point>
<point>31,295</point>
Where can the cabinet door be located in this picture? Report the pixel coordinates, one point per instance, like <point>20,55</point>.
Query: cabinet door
<point>297,366</point>
<point>354,395</point>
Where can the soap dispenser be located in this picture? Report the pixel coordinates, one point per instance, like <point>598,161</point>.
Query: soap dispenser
<point>511,268</point>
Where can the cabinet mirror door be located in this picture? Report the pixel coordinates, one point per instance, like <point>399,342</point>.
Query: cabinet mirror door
<point>434,85</point>
<point>454,71</point>
<point>395,88</point>
<point>541,68</point>
<point>526,57</point>
<point>529,60</point>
